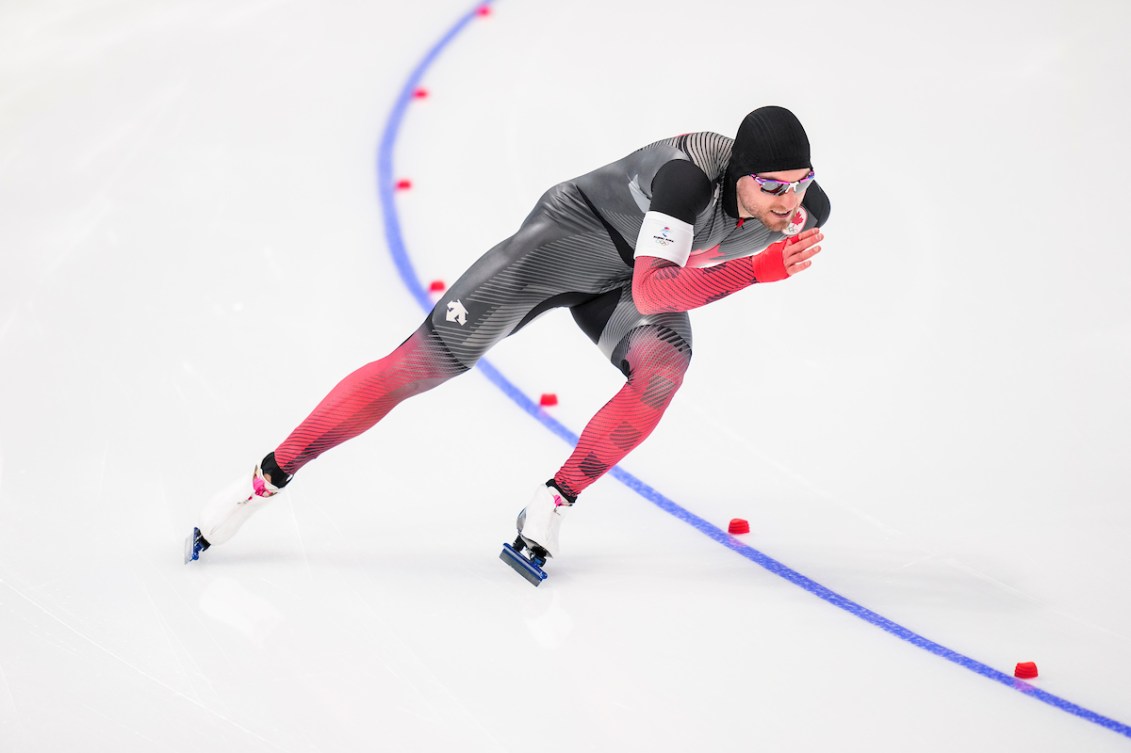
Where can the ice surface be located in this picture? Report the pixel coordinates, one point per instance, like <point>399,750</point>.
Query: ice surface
<point>933,421</point>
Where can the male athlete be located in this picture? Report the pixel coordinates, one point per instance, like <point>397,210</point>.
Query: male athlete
<point>629,248</point>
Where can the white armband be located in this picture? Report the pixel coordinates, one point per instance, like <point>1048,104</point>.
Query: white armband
<point>666,237</point>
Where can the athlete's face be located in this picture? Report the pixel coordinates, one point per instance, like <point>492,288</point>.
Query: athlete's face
<point>772,211</point>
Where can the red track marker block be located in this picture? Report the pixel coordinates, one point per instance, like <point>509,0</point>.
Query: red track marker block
<point>437,286</point>
<point>548,400</point>
<point>420,93</point>
<point>404,184</point>
<point>484,10</point>
<point>1025,670</point>
<point>738,525</point>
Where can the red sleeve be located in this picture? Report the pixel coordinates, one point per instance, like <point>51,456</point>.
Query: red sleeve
<point>659,286</point>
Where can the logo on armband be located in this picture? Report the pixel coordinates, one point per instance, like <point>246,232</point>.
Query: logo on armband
<point>797,224</point>
<point>664,239</point>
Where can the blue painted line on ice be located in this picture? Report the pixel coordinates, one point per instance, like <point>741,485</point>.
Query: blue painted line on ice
<point>386,184</point>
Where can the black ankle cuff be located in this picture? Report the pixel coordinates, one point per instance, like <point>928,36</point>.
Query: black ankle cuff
<point>571,498</point>
<point>272,469</point>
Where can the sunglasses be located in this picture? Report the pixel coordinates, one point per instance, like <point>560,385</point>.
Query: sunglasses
<point>778,187</point>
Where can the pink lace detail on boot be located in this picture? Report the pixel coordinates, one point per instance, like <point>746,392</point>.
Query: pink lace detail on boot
<point>260,486</point>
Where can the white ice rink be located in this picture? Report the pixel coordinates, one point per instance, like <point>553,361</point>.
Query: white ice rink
<point>932,422</point>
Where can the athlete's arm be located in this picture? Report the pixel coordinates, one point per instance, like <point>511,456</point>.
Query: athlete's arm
<point>659,285</point>
<point>660,282</point>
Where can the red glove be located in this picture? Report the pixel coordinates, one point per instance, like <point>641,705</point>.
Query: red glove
<point>769,266</point>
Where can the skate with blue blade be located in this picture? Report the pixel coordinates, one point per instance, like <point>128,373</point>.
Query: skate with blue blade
<point>194,545</point>
<point>529,567</point>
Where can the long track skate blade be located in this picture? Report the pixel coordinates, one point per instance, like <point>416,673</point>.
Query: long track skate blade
<point>194,545</point>
<point>523,566</point>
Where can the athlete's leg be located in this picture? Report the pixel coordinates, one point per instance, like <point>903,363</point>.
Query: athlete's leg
<point>358,402</point>
<point>535,269</point>
<point>364,397</point>
<point>653,351</point>
<point>532,271</point>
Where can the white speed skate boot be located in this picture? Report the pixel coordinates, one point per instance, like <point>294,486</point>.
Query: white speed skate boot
<point>539,524</point>
<point>228,510</point>
<point>541,520</point>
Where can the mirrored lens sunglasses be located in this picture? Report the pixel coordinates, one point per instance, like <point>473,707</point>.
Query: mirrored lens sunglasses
<point>778,187</point>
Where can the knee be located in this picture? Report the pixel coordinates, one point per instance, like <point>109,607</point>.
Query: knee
<point>457,354</point>
<point>655,365</point>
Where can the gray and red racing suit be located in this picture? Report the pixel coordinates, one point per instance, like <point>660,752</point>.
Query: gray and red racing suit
<point>629,248</point>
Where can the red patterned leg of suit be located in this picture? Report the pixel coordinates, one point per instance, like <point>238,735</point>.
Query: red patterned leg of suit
<point>656,362</point>
<point>364,397</point>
